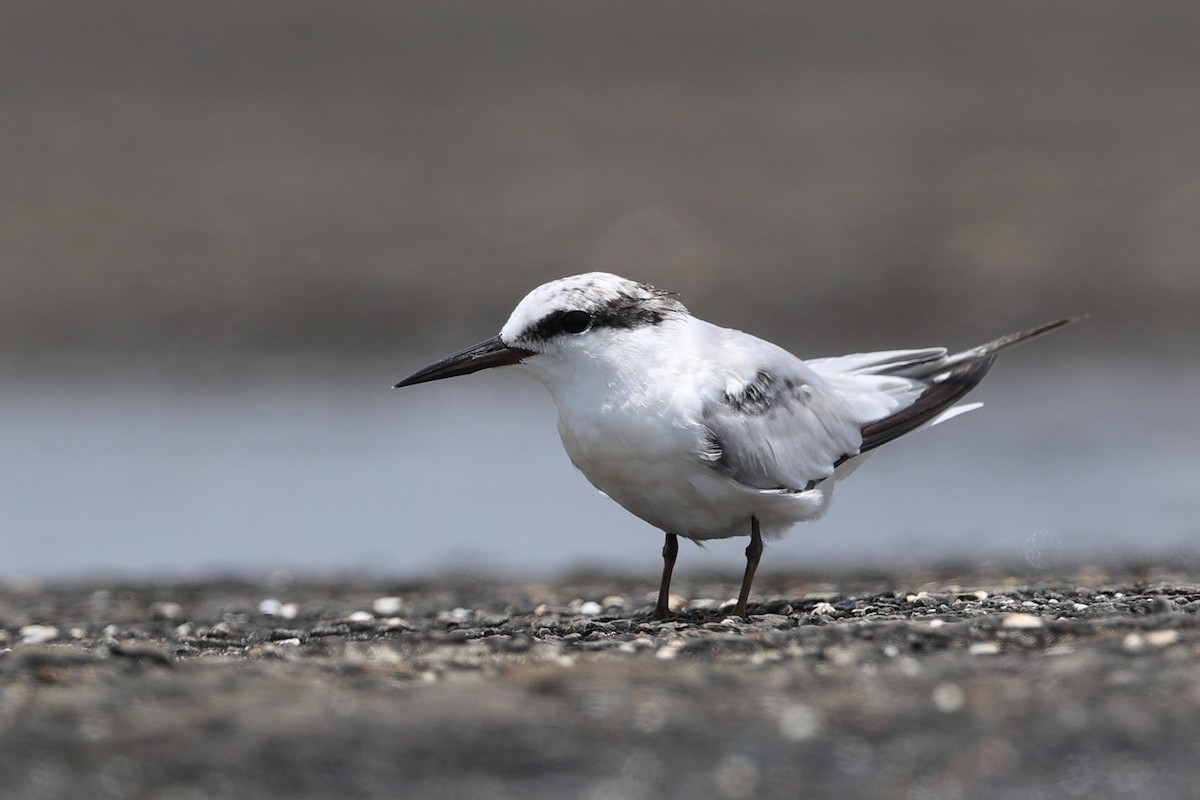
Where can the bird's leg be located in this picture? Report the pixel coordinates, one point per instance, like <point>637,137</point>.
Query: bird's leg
<point>753,554</point>
<point>670,549</point>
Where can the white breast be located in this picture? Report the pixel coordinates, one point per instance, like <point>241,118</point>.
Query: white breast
<point>645,456</point>
<point>631,421</point>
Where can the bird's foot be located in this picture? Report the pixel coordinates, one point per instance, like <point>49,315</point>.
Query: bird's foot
<point>661,615</point>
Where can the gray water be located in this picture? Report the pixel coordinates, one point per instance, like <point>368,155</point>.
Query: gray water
<point>288,467</point>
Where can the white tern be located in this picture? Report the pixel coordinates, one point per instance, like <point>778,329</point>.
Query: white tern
<point>706,432</point>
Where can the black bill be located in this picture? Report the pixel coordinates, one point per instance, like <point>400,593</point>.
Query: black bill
<point>492,353</point>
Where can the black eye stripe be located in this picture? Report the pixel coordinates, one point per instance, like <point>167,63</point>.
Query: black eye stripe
<point>621,312</point>
<point>576,321</point>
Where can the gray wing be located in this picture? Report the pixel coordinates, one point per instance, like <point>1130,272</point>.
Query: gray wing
<point>789,426</point>
<point>779,432</point>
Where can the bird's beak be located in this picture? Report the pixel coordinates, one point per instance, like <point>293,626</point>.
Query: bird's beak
<point>492,353</point>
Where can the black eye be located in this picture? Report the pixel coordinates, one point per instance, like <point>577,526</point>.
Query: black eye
<point>576,321</point>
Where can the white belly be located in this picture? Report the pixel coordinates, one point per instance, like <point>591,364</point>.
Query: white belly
<point>651,467</point>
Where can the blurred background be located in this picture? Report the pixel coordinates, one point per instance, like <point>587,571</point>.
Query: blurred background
<point>226,228</point>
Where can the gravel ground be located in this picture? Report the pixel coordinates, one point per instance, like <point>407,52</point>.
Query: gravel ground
<point>975,683</point>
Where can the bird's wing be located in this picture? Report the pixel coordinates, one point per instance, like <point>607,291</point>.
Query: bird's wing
<point>881,362</point>
<point>789,427</point>
<point>936,402</point>
<point>929,362</point>
<point>779,430</point>
<point>788,424</point>
<point>944,379</point>
<point>925,383</point>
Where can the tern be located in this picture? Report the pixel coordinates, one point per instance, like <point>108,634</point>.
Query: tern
<point>707,432</point>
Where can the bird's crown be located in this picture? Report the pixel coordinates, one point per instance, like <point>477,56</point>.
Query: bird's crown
<point>585,302</point>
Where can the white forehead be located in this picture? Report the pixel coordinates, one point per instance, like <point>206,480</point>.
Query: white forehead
<point>585,292</point>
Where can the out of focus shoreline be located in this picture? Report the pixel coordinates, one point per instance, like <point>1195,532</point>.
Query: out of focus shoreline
<point>363,179</point>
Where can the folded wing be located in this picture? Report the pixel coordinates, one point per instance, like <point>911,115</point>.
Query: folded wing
<point>788,427</point>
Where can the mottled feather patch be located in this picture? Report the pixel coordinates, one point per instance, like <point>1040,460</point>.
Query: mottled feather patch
<point>744,407</point>
<point>710,448</point>
<point>763,394</point>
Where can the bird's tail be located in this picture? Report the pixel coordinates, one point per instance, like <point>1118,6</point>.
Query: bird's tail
<point>935,368</point>
<point>936,404</point>
<point>947,380</point>
<point>926,363</point>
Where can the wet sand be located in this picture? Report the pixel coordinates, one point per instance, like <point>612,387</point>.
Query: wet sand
<point>946,684</point>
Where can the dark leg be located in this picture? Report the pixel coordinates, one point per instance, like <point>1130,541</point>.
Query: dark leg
<point>753,554</point>
<point>670,550</point>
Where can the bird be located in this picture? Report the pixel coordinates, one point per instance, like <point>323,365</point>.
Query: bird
<point>707,432</point>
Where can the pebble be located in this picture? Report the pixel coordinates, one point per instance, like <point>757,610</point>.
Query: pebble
<point>799,722</point>
<point>166,610</point>
<point>387,606</point>
<point>38,634</point>
<point>948,697</point>
<point>394,624</point>
<point>55,656</point>
<point>271,607</point>
<point>1162,638</point>
<point>454,617</point>
<point>1135,641</point>
<point>520,643</point>
<point>143,651</point>
<point>1022,621</point>
<point>668,651</point>
<point>329,630</point>
<point>1160,605</point>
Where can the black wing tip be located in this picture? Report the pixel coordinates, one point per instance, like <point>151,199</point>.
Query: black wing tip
<point>968,376</point>
<point>1056,324</point>
<point>942,393</point>
<point>1043,329</point>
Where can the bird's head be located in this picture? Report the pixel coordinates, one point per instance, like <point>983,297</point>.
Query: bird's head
<point>559,323</point>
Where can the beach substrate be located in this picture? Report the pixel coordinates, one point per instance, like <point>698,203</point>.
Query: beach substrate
<point>980,682</point>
